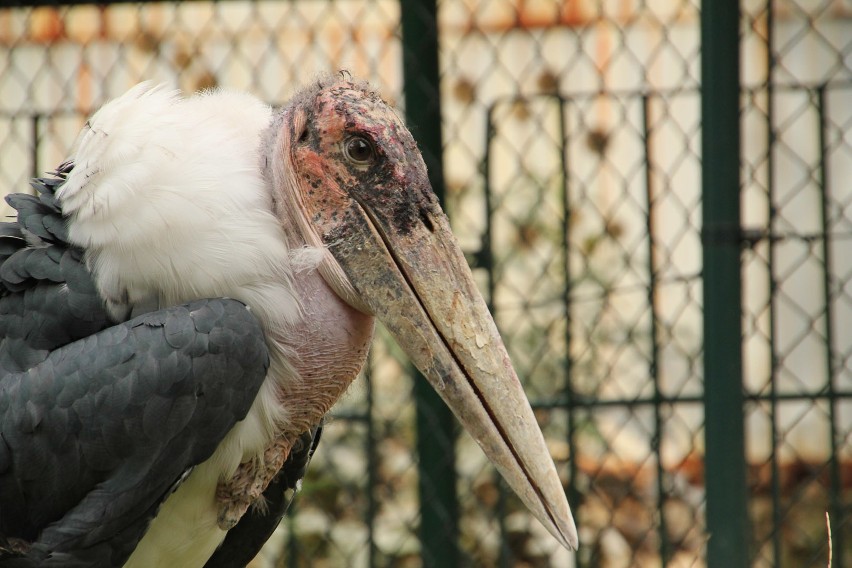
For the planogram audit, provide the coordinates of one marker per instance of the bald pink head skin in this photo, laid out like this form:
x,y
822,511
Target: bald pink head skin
x,y
347,177
347,119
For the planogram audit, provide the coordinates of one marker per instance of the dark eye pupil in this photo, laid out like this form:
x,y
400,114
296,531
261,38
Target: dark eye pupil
x,y
359,150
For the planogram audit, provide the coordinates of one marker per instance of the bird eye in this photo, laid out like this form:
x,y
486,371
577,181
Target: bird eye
x,y
359,150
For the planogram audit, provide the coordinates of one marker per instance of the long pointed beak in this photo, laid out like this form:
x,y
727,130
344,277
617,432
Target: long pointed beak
x,y
412,275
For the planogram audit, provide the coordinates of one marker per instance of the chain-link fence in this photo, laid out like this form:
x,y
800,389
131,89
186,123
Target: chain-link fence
x,y
571,136
796,172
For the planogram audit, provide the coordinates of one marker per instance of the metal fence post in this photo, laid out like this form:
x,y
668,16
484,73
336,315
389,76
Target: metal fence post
x,y
725,465
435,422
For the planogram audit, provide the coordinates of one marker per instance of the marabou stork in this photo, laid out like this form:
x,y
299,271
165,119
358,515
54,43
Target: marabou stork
x,y
186,298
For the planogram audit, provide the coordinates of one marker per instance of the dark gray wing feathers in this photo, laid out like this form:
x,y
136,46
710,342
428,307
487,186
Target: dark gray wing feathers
x,y
100,421
47,296
96,435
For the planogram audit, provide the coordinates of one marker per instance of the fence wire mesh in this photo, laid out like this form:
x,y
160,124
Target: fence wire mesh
x,y
571,134
796,117
591,187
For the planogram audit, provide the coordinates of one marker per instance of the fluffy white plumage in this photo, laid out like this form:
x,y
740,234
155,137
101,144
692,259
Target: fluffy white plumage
x,y
168,199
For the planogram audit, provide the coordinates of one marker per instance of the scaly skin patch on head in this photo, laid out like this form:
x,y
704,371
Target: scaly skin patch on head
x,y
393,182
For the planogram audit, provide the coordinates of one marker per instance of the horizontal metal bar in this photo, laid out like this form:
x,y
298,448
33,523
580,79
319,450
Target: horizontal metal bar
x,y
589,402
750,237
809,396
604,293
648,93
638,94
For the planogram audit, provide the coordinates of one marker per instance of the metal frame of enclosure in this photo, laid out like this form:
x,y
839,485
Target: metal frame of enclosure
x,y
669,259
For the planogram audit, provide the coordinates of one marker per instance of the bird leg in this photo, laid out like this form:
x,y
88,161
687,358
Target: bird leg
x,y
248,483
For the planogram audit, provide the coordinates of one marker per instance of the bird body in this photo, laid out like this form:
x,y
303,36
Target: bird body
x,y
310,222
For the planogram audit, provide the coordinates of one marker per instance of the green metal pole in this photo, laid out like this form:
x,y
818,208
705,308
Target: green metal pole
x,y
435,422
725,464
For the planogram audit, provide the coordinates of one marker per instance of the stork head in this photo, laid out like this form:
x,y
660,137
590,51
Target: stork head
x,y
348,176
